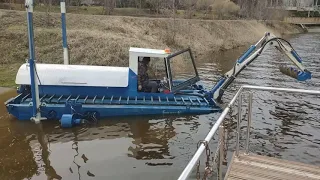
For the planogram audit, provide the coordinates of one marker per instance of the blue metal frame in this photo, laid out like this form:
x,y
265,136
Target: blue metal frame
x,y
32,56
64,29
298,58
246,54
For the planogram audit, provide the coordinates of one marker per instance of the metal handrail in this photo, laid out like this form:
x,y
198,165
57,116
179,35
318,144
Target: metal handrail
x,y
188,169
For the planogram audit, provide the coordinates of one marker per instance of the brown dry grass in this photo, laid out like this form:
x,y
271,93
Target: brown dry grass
x,y
105,40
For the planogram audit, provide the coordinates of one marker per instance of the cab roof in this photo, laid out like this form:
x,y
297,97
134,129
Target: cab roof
x,y
149,52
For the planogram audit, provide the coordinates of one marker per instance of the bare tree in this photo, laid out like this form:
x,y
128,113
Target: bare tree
x,y
174,11
78,2
206,6
48,9
224,9
154,5
109,6
169,10
190,8
138,5
258,9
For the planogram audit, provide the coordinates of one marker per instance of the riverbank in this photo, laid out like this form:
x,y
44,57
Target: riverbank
x,y
105,40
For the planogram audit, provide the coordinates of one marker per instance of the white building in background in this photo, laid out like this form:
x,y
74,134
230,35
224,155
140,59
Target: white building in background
x,y
298,3
294,5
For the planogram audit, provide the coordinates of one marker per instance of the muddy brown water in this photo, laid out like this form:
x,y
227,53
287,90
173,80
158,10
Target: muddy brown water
x,y
284,126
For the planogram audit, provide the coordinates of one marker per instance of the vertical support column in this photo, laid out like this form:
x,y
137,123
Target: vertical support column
x,y
249,122
36,115
238,124
64,32
221,150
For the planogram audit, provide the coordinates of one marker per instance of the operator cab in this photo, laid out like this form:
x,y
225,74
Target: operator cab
x,y
169,72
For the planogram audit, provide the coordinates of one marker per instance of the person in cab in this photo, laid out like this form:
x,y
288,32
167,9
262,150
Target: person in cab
x,y
144,83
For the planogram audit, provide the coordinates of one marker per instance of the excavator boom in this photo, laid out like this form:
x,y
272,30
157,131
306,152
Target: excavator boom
x,y
269,40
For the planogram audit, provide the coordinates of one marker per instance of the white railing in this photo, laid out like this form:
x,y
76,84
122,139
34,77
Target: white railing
x,y
188,169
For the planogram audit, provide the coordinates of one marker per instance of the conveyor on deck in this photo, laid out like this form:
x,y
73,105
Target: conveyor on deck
x,y
121,100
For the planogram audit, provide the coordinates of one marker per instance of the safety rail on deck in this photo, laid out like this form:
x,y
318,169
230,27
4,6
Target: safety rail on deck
x,y
188,169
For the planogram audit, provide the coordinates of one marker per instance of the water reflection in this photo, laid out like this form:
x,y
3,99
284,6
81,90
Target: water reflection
x,y
45,153
16,158
147,140
150,142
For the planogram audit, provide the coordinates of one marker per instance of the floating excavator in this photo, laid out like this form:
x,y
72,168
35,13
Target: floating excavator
x,y
77,93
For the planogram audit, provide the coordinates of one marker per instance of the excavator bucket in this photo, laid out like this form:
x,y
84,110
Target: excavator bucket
x,y
295,73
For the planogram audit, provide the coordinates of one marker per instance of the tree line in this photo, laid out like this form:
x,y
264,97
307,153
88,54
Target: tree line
x,y
210,9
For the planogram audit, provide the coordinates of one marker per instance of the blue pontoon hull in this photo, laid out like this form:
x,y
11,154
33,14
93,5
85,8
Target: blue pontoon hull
x,y
54,107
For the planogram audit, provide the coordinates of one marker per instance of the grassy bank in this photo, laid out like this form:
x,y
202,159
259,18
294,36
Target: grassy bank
x,y
105,40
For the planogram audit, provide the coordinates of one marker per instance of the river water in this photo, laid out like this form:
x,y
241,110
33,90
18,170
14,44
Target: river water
x,y
284,126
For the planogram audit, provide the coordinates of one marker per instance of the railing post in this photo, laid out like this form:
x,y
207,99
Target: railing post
x,y
249,122
221,151
238,124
